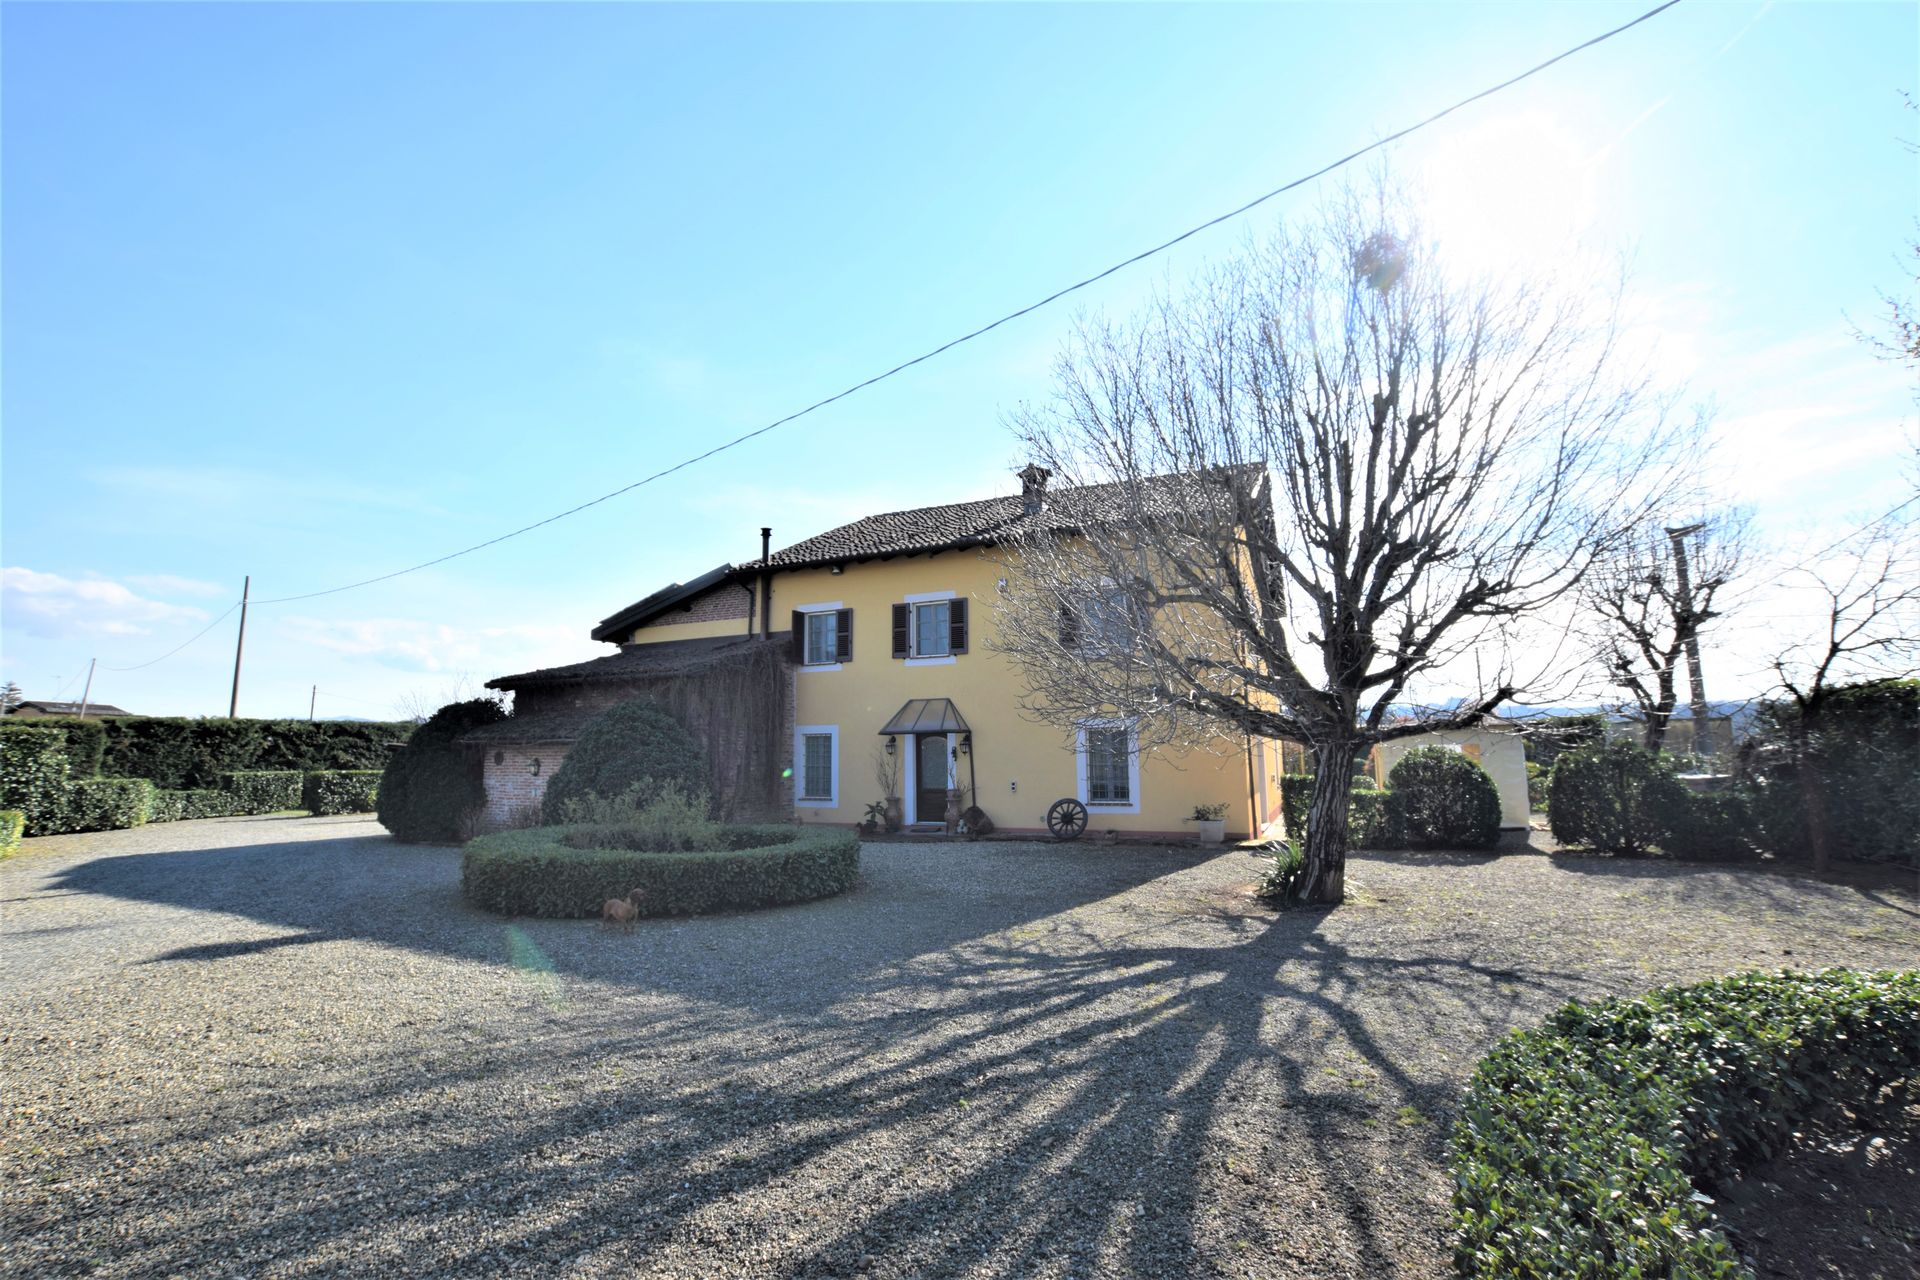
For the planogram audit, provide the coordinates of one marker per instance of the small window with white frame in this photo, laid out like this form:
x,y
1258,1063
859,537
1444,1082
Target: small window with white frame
x,y
1109,766
817,766
823,643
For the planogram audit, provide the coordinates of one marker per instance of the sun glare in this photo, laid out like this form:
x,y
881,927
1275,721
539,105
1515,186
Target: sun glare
x,y
1514,191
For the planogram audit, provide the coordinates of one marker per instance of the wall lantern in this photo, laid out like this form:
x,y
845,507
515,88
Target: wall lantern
x,y
966,744
534,767
892,744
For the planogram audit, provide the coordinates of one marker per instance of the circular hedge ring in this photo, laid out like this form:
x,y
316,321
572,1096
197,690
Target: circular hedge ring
x,y
568,872
1067,819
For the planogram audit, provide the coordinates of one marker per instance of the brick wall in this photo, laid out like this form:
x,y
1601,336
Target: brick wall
x,y
730,600
516,777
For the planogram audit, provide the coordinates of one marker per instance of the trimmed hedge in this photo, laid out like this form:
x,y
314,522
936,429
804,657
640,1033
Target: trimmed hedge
x,y
432,785
177,752
1579,1142
545,871
632,744
12,824
100,804
262,790
86,746
1710,826
33,773
329,791
1438,798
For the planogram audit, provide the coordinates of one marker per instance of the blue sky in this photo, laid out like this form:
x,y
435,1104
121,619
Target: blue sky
x,y
318,292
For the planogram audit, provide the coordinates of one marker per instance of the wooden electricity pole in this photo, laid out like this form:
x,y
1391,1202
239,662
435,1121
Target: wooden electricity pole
x,y
311,699
233,705
87,693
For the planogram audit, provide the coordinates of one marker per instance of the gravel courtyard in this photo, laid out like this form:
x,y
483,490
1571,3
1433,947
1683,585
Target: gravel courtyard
x,y
284,1047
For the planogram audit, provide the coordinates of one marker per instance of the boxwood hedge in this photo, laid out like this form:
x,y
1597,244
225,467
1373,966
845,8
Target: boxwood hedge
x,y
331,791
262,790
569,871
1580,1143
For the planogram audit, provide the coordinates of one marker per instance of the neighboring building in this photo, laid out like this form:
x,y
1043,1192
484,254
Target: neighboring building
x,y
882,666
94,709
1499,750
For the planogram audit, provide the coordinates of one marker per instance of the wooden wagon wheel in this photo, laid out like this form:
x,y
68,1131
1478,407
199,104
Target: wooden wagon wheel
x,y
1067,819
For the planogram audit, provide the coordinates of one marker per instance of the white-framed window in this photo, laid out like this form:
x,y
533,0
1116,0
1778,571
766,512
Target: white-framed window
x,y
816,766
1109,765
933,629
930,628
1107,619
822,636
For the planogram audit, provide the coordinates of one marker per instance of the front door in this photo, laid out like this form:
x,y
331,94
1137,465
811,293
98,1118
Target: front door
x,y
930,777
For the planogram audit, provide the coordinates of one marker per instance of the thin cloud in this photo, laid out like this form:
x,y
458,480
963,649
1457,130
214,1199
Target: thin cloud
x,y
55,607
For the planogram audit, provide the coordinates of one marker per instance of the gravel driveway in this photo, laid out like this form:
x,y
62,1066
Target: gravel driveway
x,y
280,1046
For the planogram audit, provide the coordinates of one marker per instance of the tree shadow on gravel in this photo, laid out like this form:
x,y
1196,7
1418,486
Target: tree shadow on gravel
x,y
1745,886
1109,1092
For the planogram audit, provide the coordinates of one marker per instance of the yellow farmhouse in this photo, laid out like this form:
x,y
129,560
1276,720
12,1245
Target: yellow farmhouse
x,y
858,668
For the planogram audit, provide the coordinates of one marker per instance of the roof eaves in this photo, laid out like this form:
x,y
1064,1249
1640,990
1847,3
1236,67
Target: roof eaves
x,y
650,607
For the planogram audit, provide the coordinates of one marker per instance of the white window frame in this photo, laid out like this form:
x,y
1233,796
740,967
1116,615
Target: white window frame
x,y
831,606
913,659
800,735
1132,728
1089,589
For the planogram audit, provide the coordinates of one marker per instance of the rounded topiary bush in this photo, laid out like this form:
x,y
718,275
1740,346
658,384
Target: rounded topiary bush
x,y
1580,1142
633,744
569,871
1611,796
432,784
1439,799
1712,826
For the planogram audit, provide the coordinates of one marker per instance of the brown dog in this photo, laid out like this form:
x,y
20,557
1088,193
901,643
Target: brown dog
x,y
621,911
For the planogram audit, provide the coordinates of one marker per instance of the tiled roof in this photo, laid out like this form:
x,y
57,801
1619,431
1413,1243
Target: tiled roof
x,y
558,725
641,661
950,528
70,708
994,520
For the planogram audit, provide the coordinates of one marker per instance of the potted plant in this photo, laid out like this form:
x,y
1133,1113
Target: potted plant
x,y
886,771
1212,821
876,817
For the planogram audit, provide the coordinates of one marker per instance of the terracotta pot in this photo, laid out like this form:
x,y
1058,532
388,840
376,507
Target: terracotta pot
x,y
896,813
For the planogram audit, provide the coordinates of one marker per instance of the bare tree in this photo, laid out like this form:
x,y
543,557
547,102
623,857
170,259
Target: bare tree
x,y
418,705
1866,627
1338,477
1642,616
10,697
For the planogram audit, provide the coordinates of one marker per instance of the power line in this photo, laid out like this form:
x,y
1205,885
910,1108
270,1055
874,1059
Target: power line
x,y
1051,298
183,644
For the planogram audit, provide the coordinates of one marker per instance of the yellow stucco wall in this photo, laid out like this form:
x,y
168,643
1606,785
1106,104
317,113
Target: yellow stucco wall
x,y
1018,767
657,632
1500,753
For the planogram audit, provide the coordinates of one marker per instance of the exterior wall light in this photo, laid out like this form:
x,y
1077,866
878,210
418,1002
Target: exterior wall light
x,y
892,744
534,767
966,744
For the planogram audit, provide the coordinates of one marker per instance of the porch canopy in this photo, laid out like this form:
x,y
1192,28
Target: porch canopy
x,y
927,715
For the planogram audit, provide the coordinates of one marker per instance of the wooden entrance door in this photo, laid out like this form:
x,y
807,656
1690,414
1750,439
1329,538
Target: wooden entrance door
x,y
931,777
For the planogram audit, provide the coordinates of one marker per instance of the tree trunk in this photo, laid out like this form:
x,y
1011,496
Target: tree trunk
x,y
1813,795
1326,842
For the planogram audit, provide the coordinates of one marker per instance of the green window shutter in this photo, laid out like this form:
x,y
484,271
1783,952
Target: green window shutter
x,y
900,615
957,625
843,636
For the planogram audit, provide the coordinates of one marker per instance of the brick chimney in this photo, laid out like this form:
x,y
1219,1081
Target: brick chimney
x,y
1033,488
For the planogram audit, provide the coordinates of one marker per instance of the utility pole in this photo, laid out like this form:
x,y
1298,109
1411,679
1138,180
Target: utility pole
x,y
87,693
1690,631
233,706
311,699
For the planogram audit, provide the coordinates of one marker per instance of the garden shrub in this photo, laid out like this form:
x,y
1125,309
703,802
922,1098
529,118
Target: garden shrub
x,y
432,784
167,806
632,744
1710,826
99,804
324,792
207,802
12,824
1580,1142
1369,824
1536,787
1438,798
1286,880
1610,797
664,819
546,871
262,790
33,773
